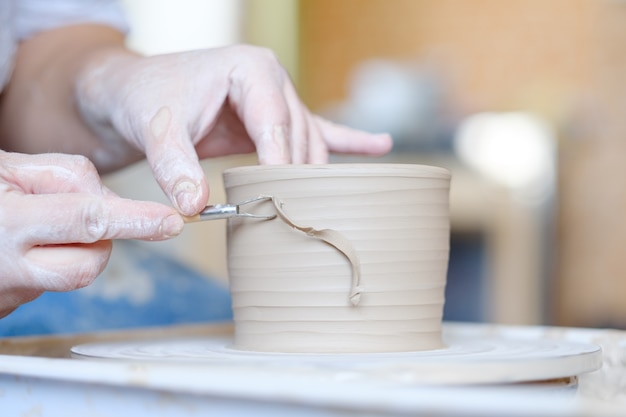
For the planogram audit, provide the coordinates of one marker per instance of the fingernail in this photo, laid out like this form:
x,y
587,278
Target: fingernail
x,y
172,225
185,195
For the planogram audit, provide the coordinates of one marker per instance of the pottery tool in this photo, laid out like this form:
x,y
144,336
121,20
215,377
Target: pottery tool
x,y
226,211
332,237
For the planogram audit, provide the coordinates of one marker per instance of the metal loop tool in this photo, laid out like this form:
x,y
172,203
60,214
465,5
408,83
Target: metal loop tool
x,y
226,211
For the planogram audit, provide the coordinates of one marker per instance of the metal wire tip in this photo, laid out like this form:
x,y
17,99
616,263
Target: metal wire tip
x,y
226,211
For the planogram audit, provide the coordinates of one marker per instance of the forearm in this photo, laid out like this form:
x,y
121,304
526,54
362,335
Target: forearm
x,y
38,110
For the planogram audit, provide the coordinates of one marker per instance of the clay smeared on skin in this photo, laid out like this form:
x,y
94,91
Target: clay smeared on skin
x,y
160,123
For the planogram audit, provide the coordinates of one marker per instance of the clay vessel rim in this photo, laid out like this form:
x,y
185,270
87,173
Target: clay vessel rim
x,y
261,172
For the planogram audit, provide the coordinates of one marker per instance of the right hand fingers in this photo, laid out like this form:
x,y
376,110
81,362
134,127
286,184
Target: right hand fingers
x,y
54,219
62,200
49,268
68,237
58,220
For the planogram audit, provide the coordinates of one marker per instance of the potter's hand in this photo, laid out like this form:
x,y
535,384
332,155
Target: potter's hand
x,y
179,107
57,220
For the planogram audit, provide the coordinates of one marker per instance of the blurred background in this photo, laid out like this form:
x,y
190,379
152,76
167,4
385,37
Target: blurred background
x,y
522,100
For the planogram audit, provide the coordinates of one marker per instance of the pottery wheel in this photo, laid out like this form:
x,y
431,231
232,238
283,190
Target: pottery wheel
x,y
471,356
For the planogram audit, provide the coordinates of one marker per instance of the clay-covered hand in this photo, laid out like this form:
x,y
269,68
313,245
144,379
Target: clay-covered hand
x,y
57,222
180,107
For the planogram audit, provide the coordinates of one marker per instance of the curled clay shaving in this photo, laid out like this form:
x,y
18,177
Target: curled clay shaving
x,y
335,239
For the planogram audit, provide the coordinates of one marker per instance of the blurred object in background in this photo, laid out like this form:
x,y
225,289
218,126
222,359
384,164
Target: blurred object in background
x,y
592,183
406,99
516,153
514,149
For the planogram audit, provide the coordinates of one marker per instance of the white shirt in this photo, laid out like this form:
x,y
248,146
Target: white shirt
x,y
20,19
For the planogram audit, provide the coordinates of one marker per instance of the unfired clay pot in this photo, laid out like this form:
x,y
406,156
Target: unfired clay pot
x,y
355,261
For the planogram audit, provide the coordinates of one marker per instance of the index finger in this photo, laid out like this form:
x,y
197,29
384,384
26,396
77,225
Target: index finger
x,y
257,95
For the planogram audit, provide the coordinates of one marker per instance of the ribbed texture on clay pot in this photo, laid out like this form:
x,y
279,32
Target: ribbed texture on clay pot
x,y
290,291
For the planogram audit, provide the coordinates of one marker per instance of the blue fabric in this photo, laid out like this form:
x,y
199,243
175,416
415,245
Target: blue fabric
x,y
139,288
